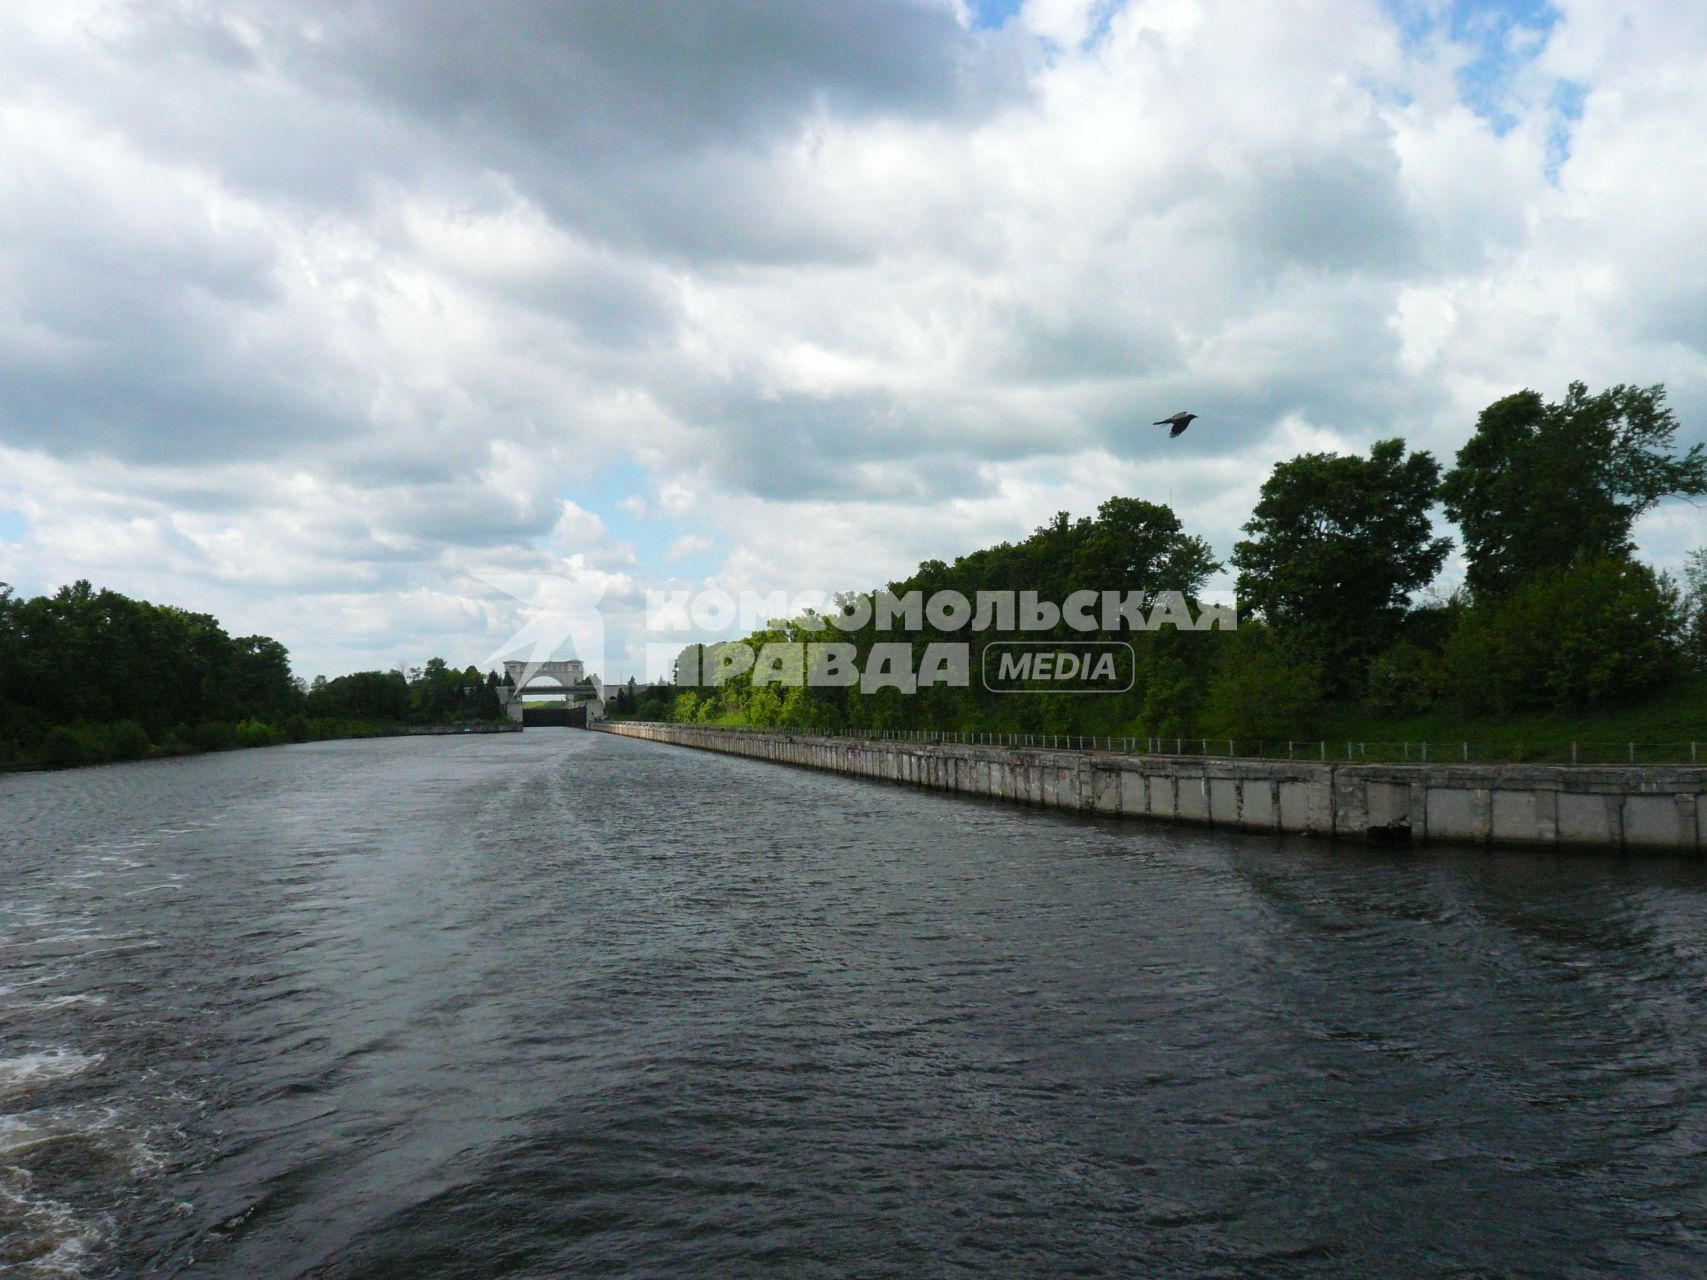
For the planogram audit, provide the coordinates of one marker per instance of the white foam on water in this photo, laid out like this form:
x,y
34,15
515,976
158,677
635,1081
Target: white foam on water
x,y
146,944
64,936
26,1131
77,1000
33,1070
52,1004
41,1237
153,888
103,1129
11,988
44,1240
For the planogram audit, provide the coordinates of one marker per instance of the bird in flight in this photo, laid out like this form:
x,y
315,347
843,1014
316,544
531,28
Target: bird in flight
x,y
1178,421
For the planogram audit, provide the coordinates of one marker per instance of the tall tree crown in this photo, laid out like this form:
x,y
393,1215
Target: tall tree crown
x,y
1541,487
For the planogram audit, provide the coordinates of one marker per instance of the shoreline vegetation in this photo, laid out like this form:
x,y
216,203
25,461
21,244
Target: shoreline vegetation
x,y
1558,634
1667,727
94,677
117,744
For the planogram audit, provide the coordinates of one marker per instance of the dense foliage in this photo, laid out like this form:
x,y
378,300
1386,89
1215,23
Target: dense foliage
x,y
1333,577
1129,546
89,675
1337,547
1540,487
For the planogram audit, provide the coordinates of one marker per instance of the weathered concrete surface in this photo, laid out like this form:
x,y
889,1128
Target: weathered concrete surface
x,y
1612,807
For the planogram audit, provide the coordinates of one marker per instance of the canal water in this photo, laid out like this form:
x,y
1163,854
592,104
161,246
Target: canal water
x,y
562,1004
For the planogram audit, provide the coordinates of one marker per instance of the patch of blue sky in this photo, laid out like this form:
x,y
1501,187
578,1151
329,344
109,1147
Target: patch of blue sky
x,y
12,526
653,534
990,14
987,15
1502,35
1568,99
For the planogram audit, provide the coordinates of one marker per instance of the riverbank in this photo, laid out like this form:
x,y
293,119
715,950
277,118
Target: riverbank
x,y
81,745
1637,808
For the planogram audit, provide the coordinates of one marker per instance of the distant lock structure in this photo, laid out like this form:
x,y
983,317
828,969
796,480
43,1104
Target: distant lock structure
x,y
575,700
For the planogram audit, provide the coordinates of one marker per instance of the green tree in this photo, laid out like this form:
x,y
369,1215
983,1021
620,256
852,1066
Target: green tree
x,y
1540,486
1137,544
1259,693
262,679
1337,546
1597,632
1695,608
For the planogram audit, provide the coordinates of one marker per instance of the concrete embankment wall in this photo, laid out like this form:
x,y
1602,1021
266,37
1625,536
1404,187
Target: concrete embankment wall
x,y
1611,807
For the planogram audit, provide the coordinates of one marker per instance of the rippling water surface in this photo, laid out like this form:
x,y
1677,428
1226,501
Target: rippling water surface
x,y
565,1004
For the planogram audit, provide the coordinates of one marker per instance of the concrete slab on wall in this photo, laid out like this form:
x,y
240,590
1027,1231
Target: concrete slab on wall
x,y
1661,807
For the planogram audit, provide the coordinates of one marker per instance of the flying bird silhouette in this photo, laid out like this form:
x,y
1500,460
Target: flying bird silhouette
x,y
1178,421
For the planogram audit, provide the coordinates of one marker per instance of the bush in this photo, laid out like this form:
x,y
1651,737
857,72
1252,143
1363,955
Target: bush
x,y
1695,609
60,747
127,740
256,733
1169,704
1598,632
1260,692
1404,680
212,735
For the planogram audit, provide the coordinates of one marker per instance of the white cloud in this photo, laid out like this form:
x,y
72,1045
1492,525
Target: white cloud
x,y
689,544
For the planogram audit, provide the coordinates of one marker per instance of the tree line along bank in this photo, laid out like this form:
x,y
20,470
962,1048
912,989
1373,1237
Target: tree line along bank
x,y
88,676
1341,621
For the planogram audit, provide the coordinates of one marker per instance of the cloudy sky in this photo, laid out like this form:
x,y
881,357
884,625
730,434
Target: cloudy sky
x,y
320,317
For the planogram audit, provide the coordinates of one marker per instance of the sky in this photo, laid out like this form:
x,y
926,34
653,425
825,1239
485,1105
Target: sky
x,y
329,319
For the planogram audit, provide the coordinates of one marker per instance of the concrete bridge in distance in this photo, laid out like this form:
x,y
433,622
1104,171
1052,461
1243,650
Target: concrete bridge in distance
x,y
563,681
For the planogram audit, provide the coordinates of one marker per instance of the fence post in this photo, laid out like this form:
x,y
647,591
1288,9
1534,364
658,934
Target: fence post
x,y
1573,753
1289,748
1425,753
1466,753
1632,747
1691,753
